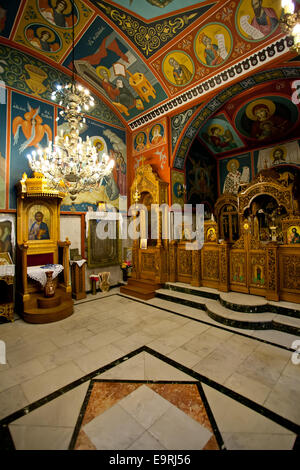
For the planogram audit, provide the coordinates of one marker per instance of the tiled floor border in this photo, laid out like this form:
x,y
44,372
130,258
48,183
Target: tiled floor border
x,y
210,324
208,410
5,438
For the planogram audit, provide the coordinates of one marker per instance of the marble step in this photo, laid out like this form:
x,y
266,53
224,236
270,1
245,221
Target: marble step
x,y
237,301
215,310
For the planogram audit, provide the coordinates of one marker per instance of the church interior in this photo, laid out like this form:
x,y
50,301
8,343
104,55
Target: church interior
x,y
150,225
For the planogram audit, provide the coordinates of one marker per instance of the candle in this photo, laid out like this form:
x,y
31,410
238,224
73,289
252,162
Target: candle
x,y
296,34
288,6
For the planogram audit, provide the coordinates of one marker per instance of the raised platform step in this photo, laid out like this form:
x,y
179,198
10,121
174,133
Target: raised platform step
x,y
218,312
237,301
145,283
138,293
47,310
48,315
140,288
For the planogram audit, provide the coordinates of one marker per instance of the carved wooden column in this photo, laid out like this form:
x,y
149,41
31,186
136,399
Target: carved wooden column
x,y
135,252
224,267
196,268
272,272
173,261
66,264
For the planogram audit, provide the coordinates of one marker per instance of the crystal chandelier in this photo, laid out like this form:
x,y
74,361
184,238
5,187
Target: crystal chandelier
x,y
290,22
71,165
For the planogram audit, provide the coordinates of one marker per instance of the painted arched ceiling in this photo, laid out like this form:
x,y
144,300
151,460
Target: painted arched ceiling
x,y
128,51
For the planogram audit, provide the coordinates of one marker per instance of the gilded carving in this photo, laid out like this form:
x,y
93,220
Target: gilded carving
x,y
185,261
211,264
272,271
224,264
291,271
238,267
148,262
266,186
258,274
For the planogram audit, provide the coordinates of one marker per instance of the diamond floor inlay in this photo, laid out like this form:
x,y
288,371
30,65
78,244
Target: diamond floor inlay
x,y
130,415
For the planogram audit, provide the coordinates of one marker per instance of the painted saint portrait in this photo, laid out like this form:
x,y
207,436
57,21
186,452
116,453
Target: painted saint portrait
x,y
6,236
42,38
178,186
286,154
140,141
258,275
200,179
219,135
211,235
236,173
156,134
293,234
266,118
257,19
213,44
39,223
178,68
58,12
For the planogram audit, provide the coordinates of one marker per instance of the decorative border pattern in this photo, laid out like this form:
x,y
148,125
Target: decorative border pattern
x,y
151,37
256,60
178,122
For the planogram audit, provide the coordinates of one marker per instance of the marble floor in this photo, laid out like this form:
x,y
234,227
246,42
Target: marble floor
x,y
124,374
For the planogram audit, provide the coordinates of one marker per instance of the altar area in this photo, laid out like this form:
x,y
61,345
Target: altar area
x,y
251,243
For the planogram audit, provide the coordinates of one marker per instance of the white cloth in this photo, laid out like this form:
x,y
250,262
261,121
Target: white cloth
x,y
80,262
38,273
7,270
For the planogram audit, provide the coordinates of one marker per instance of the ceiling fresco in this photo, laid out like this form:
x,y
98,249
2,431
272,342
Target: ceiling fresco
x,y
270,90
150,37
150,9
138,54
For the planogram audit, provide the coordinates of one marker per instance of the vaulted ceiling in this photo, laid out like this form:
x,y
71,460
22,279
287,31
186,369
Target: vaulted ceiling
x,y
127,51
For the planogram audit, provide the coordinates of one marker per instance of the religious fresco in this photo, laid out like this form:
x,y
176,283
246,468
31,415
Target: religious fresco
x,y
213,44
283,154
32,126
8,13
58,12
46,25
233,172
219,135
3,114
150,146
27,74
152,8
42,37
157,158
266,118
157,134
201,178
105,61
149,137
178,187
178,68
257,19
110,141
150,36
232,100
140,142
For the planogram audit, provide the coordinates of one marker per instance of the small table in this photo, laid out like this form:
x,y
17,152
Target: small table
x,y
78,278
7,274
38,273
94,279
